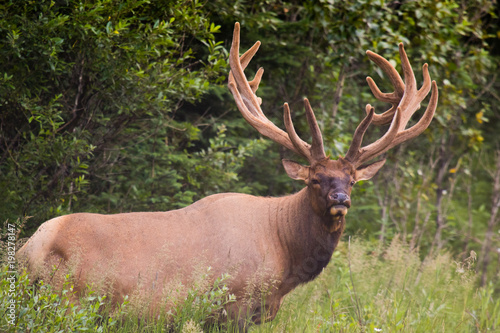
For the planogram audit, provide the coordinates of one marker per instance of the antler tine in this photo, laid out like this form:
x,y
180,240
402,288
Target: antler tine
x,y
303,147
400,113
395,97
357,138
245,60
254,84
423,123
315,151
357,155
249,105
412,97
236,76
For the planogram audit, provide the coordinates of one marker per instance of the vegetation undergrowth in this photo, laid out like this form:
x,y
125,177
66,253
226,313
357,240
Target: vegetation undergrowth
x,y
41,308
364,289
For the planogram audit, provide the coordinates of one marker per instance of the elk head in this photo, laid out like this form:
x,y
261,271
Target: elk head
x,y
330,181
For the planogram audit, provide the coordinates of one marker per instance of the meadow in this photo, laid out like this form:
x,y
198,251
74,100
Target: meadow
x,y
365,288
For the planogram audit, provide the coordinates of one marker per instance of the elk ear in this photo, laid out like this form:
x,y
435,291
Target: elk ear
x,y
295,170
368,171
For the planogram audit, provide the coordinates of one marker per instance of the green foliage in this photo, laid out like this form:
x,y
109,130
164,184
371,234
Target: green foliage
x,y
38,307
202,307
155,175
83,80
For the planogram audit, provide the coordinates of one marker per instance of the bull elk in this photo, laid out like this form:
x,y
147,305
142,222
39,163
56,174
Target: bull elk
x,y
286,240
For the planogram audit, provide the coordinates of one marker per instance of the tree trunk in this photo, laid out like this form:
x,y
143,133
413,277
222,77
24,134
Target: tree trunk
x,y
421,223
470,206
492,221
444,162
338,91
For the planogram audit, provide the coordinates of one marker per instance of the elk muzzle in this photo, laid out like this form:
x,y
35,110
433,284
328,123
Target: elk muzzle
x,y
339,204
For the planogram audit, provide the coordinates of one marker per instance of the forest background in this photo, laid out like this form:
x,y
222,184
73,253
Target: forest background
x,y
118,106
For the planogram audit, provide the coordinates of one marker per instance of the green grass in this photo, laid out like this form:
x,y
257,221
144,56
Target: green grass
x,y
363,289
367,289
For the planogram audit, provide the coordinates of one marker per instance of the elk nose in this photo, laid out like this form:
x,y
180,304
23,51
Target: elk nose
x,y
340,199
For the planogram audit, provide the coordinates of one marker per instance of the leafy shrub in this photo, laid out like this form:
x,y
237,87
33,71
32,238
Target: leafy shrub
x,y
40,308
80,81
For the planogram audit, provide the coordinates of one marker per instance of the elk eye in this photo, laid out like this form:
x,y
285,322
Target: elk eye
x,y
353,182
315,182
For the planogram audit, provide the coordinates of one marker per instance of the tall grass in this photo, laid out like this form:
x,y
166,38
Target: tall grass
x,y
40,308
368,289
363,289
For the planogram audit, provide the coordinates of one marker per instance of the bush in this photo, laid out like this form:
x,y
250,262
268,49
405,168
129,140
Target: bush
x,y
80,81
40,308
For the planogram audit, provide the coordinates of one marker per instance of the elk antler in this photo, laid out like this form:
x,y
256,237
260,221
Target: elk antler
x,y
405,101
249,105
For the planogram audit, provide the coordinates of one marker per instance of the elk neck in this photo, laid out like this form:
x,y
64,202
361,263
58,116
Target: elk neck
x,y
306,241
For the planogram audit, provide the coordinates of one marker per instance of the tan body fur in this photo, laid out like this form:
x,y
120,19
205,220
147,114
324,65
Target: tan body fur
x,y
248,237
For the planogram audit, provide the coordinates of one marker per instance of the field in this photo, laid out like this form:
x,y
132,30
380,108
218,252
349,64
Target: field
x,y
364,289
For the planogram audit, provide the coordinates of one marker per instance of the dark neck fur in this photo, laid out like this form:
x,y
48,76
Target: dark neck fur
x,y
305,239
